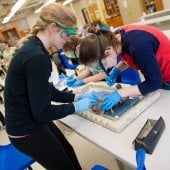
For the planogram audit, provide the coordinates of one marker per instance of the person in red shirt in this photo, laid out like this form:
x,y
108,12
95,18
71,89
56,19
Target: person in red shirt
x,y
140,47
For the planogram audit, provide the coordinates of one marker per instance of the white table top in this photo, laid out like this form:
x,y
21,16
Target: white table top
x,y
157,20
167,33
120,145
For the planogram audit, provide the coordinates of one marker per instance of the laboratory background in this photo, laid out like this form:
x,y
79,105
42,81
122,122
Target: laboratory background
x,y
100,142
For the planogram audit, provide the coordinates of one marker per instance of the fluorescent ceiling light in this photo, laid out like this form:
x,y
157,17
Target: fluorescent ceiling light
x,y
14,9
66,2
49,1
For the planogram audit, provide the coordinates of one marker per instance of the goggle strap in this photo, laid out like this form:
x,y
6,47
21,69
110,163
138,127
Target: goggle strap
x,y
69,30
100,58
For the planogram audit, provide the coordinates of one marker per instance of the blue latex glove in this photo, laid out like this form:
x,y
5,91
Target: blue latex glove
x,y
71,81
63,77
110,100
84,104
110,81
78,83
88,95
113,74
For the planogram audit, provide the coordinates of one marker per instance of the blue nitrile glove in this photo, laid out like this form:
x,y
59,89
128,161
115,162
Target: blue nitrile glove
x,y
110,100
63,77
113,74
71,81
78,83
84,104
88,95
110,81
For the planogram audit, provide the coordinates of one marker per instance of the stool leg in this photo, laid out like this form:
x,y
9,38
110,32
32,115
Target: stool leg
x,y
30,168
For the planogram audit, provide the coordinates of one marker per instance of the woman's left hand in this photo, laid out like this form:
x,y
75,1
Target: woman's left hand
x,y
111,100
78,83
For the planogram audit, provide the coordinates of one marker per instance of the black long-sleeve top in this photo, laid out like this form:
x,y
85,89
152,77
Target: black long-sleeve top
x,y
28,91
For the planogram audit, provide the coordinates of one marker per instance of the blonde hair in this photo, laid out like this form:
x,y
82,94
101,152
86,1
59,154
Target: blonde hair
x,y
51,13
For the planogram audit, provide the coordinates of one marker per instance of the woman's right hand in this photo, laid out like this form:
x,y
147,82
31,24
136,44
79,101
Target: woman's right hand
x,y
84,104
71,81
113,74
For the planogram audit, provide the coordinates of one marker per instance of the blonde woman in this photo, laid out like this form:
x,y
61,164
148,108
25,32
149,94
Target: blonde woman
x,y
29,92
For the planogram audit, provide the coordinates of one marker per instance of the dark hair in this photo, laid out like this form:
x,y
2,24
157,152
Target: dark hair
x,y
72,43
86,26
5,42
96,22
92,26
91,29
93,46
88,50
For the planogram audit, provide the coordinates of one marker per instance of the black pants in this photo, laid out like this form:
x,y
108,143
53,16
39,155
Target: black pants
x,y
49,148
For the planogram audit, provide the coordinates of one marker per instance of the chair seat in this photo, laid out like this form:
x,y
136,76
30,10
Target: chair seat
x,y
99,167
11,158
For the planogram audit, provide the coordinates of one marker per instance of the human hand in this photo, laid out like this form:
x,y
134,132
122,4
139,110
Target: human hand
x,y
113,74
88,95
78,83
62,76
84,104
110,100
71,81
110,81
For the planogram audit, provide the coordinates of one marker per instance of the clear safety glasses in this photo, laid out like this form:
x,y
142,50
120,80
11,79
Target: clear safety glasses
x,y
65,35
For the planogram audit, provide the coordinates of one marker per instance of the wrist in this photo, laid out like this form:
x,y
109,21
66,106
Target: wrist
x,y
76,97
119,94
117,69
85,81
75,107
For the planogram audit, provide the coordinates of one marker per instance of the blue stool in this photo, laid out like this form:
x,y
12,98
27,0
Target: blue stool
x,y
11,158
99,167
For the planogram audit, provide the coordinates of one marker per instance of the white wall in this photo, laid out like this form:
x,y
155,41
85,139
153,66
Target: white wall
x,y
77,6
166,4
31,19
130,10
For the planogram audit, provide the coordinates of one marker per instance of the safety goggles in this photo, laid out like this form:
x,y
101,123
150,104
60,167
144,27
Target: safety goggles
x,y
67,30
65,35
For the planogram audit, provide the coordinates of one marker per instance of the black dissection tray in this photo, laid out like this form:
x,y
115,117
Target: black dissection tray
x,y
122,107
